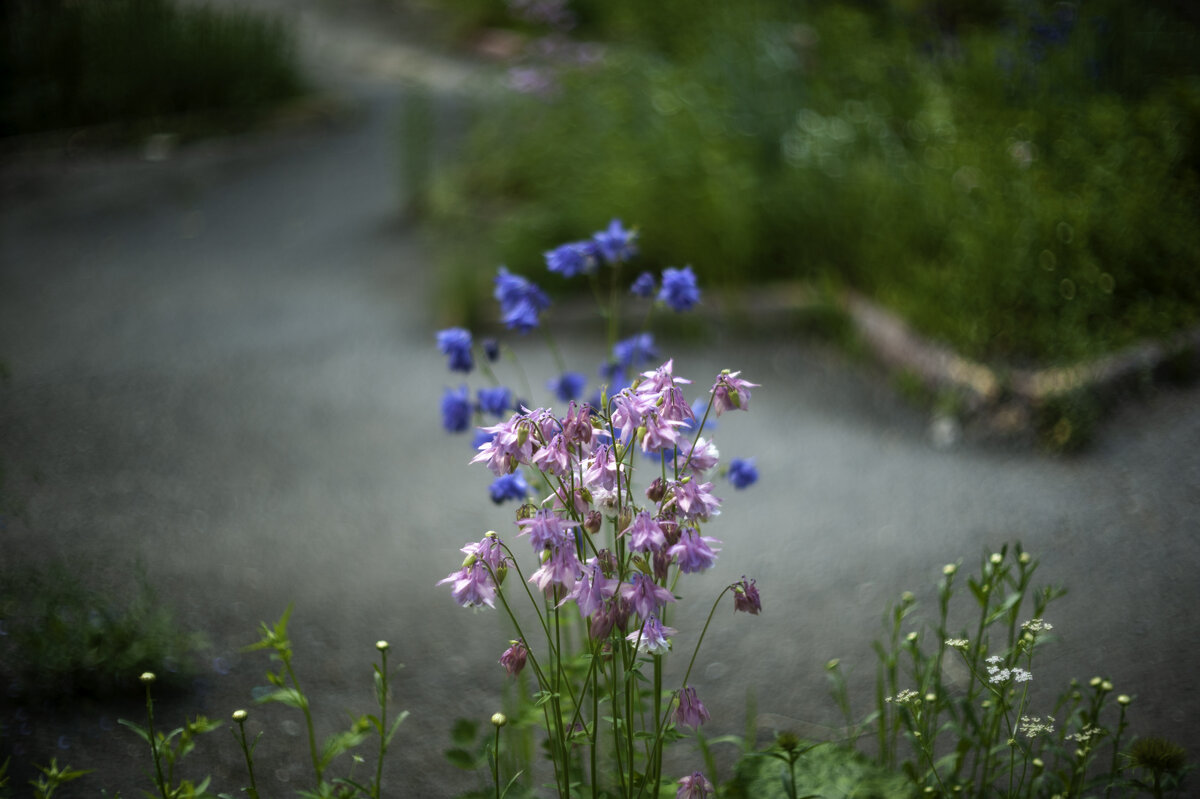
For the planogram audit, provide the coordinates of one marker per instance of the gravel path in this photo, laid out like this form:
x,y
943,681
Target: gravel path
x,y
229,373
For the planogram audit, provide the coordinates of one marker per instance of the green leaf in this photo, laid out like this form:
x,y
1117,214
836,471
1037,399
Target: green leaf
x,y
288,696
143,734
463,759
395,726
463,732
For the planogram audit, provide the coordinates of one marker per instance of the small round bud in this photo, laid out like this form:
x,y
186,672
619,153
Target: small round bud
x,y
930,697
996,558
1038,763
949,569
657,490
499,719
527,511
239,716
833,664
1124,699
908,598
1106,686
911,638
382,646
592,522
1095,682
1025,558
147,677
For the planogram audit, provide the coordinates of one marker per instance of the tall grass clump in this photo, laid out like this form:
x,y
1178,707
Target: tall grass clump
x,y
1019,179
71,64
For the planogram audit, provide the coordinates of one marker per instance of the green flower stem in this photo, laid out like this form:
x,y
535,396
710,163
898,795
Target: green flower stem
x,y
159,780
286,657
496,760
383,727
246,752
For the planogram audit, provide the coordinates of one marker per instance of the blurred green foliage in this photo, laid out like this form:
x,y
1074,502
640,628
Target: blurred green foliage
x,y
67,64
66,637
1018,178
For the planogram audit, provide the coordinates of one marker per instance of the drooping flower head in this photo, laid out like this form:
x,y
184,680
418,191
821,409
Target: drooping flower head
x,y
455,344
645,595
653,637
592,588
694,551
513,659
731,393
746,598
568,386
473,586
545,529
696,786
575,258
691,712
645,534
456,409
742,472
616,243
644,286
520,301
679,289
496,400
508,486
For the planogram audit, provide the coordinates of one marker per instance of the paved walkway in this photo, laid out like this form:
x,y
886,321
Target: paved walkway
x,y
230,374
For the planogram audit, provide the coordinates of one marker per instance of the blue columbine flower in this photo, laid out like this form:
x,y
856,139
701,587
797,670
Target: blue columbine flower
x,y
635,350
644,286
569,260
679,289
496,401
569,386
455,343
508,486
616,243
456,409
491,349
520,301
742,472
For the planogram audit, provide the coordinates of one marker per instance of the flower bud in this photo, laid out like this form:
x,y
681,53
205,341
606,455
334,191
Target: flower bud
x,y
1025,558
1095,682
499,719
147,677
625,518
239,716
382,646
527,511
1106,686
833,664
592,522
996,558
1124,699
657,490
949,569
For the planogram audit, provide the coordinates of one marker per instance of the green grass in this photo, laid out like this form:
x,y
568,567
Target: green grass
x,y
70,64
1024,192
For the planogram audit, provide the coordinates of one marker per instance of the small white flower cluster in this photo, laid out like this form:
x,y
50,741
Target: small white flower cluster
x,y
957,643
999,675
905,697
1087,733
1033,726
1036,626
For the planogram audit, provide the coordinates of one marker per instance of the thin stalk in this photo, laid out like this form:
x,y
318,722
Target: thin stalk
x,y
308,721
159,780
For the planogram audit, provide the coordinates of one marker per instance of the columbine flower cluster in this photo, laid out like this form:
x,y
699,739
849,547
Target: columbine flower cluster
x,y
604,546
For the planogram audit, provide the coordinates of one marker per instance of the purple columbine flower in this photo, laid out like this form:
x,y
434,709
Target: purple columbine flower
x,y
569,260
513,659
456,409
730,393
455,343
645,596
746,598
694,499
473,586
616,243
561,568
545,529
568,386
695,787
508,486
645,534
693,551
742,472
652,638
520,301
691,711
644,286
496,400
679,289
592,589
